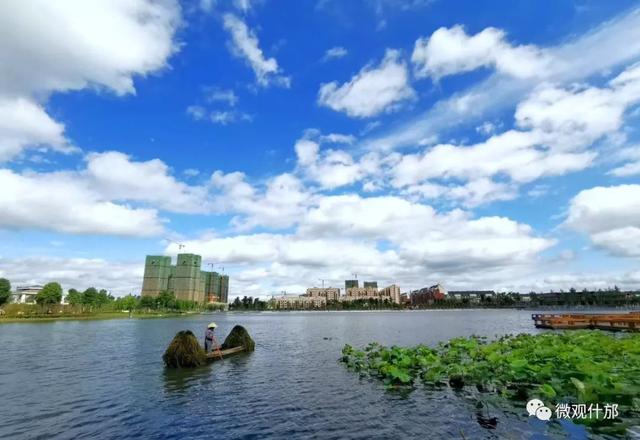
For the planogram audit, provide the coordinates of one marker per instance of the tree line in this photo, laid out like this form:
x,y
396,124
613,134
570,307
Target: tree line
x,y
92,299
248,303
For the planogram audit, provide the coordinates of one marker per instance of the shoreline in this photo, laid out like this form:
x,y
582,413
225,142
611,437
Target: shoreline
x,y
100,316
95,317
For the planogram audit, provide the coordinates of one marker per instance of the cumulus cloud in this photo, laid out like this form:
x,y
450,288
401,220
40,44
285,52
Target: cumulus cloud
x,y
25,123
550,137
279,204
103,44
118,277
450,50
115,176
338,235
373,90
610,216
245,45
113,195
576,60
57,202
333,168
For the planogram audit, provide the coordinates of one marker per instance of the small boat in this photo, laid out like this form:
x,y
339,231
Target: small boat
x,y
218,355
602,321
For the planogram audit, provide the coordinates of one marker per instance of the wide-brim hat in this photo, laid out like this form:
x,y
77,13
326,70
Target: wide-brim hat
x,y
212,325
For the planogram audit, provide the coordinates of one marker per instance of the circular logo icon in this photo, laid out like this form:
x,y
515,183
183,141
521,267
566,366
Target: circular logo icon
x,y
533,405
543,413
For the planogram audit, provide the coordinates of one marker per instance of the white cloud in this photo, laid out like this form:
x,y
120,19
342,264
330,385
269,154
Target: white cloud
x,y
334,53
626,170
191,172
333,168
214,94
576,60
486,128
24,123
610,216
372,91
337,138
197,112
222,117
242,5
58,202
512,153
245,45
116,177
118,277
103,44
474,193
207,5
630,155
339,235
278,205
229,117
551,138
451,51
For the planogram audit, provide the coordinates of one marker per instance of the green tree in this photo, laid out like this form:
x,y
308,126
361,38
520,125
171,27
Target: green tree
x,y
51,293
166,300
102,298
148,302
89,296
129,303
74,297
5,290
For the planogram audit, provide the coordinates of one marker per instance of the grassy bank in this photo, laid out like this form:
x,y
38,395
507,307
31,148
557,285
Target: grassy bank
x,y
13,313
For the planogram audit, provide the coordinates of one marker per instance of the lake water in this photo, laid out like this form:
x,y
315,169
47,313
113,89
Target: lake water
x,y
106,379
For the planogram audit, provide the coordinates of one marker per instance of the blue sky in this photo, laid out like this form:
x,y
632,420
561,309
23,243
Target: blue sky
x,y
476,144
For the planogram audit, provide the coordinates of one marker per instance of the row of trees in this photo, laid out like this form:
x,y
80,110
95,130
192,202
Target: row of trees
x,y
94,299
90,297
248,303
5,291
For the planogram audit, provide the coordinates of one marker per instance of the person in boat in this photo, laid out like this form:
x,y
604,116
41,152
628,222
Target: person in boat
x,y
209,338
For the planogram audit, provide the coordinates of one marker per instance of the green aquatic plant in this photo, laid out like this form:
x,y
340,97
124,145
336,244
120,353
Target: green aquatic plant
x,y
572,367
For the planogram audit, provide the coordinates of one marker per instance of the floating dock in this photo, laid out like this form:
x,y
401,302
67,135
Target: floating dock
x,y
602,321
218,355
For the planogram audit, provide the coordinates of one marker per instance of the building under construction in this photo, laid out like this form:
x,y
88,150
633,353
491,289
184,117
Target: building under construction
x,y
186,280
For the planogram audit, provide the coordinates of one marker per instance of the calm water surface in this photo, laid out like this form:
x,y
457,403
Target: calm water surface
x,y
105,379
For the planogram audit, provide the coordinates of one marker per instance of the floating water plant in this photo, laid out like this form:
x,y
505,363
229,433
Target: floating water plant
x,y
184,351
239,337
574,367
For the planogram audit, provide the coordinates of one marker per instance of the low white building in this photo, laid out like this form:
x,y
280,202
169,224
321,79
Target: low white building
x,y
329,293
285,302
26,294
391,292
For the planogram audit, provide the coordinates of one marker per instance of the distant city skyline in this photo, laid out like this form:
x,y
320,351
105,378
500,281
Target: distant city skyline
x,y
478,145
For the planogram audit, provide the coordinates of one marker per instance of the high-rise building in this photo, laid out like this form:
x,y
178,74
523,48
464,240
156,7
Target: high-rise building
x,y
350,283
370,284
224,288
186,279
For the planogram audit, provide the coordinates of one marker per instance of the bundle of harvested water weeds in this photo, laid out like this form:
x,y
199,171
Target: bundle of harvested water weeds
x,y
239,337
184,351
